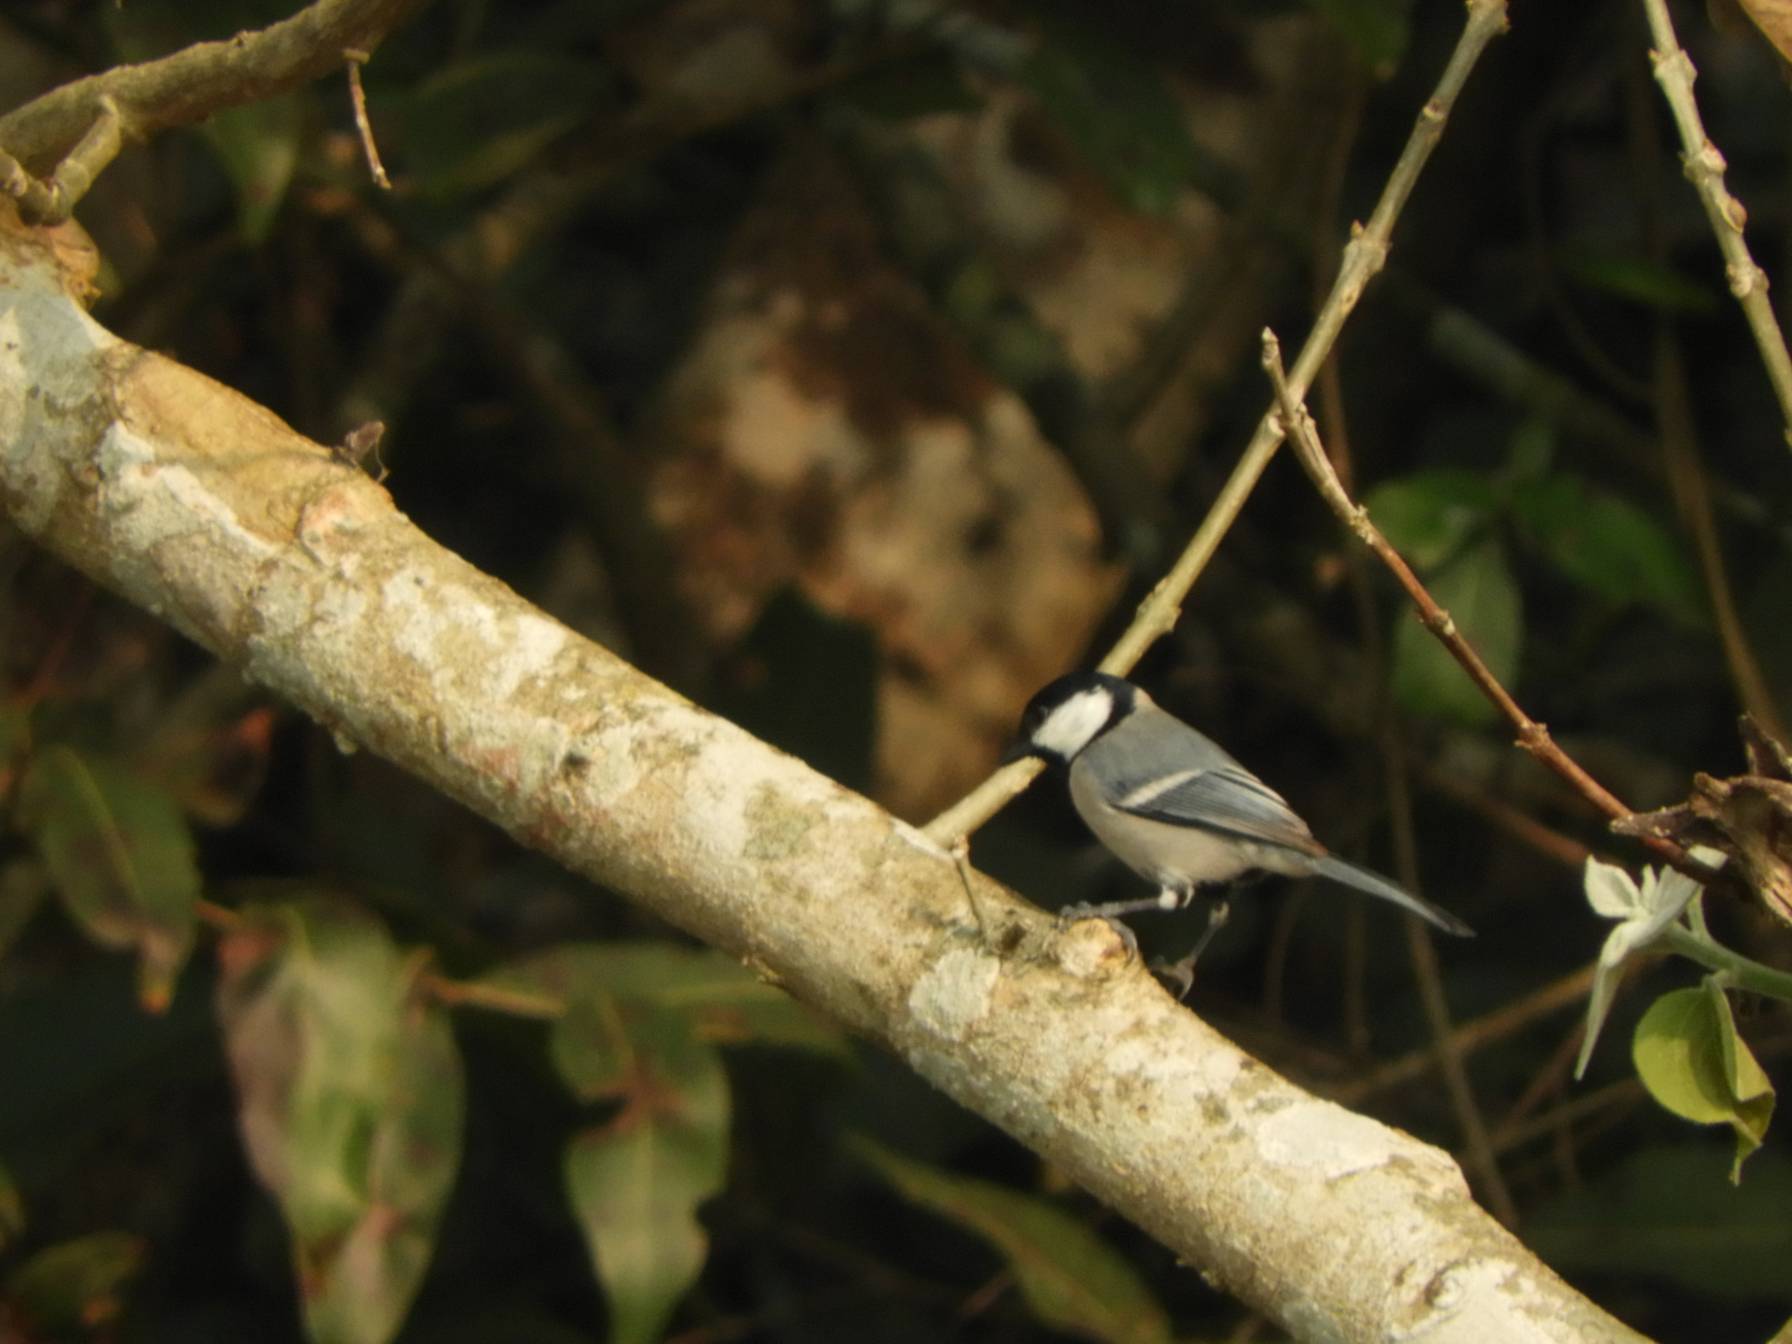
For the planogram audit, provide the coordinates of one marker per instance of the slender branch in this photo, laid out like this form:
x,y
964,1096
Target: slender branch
x,y
1364,255
1692,493
202,79
1532,736
1452,1065
1705,169
1471,1036
496,998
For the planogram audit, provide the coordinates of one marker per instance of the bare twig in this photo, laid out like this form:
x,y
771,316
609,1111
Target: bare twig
x,y
1687,478
1470,1036
1692,494
1364,255
200,80
1705,169
357,97
1532,736
1483,1163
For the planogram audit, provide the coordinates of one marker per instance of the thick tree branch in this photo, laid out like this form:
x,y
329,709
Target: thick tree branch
x,y
262,546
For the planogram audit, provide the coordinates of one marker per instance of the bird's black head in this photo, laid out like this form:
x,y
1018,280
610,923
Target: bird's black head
x,y
1072,712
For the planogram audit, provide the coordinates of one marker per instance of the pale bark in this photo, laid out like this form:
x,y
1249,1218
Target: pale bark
x,y
208,510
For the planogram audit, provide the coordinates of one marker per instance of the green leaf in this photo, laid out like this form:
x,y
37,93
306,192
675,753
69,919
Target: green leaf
x,y
1639,281
350,1096
258,144
74,1285
121,859
729,1003
1115,108
1377,29
635,1183
480,120
591,1049
12,1210
1071,1279
1688,1055
1431,515
1609,546
1480,595
1667,1212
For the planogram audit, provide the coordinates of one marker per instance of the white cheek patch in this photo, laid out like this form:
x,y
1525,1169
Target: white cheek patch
x,y
1070,727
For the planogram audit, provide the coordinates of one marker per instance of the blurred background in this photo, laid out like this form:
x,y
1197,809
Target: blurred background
x,y
855,368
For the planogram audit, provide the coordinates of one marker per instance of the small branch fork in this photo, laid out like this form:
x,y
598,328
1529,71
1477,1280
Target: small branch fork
x,y
1364,255
51,200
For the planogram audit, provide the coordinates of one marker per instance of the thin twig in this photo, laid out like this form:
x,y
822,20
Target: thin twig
x,y
1687,478
1532,736
1466,1039
1364,255
1520,825
357,97
1553,1080
496,998
1483,1163
1692,494
1705,169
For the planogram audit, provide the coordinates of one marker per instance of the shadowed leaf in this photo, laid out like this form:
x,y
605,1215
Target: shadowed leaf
x,y
636,1183
351,1105
1609,546
729,1002
480,120
74,1284
1478,591
121,859
1071,1279
1667,1212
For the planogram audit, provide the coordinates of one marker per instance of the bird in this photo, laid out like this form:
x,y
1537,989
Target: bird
x,y
1173,806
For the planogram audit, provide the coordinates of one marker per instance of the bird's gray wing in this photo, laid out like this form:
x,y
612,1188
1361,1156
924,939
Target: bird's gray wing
x,y
1227,799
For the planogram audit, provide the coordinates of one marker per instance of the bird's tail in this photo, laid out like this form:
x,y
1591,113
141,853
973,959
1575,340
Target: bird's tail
x,y
1341,870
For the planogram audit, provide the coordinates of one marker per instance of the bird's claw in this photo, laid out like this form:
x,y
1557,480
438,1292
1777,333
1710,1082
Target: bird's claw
x,y
1082,910
1178,976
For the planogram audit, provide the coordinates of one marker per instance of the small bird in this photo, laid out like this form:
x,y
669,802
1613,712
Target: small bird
x,y
1175,808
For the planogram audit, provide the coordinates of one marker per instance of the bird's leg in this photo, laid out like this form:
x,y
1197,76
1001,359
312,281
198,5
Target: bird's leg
x,y
1168,898
1180,975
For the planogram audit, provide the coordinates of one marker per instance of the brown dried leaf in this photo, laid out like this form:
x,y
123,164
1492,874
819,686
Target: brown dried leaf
x,y
1748,817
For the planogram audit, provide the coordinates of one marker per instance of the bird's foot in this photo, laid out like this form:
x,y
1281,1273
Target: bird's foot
x,y
1178,976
